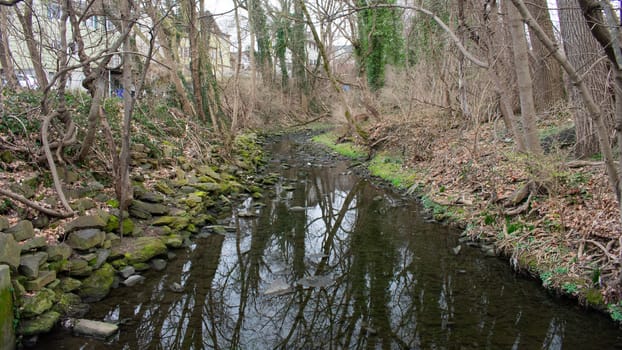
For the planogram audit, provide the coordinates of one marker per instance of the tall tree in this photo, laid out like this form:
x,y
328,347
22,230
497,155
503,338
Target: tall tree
x,y
585,54
379,40
523,76
5,54
25,15
547,73
259,26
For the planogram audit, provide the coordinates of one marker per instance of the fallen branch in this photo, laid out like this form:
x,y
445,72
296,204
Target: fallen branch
x,y
35,205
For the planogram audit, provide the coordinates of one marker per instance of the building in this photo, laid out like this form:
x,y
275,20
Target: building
x,y
98,31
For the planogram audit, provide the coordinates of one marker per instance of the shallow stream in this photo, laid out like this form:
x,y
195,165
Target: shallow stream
x,y
331,261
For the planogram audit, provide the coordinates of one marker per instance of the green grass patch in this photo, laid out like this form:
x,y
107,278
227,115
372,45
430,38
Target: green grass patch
x,y
347,149
391,169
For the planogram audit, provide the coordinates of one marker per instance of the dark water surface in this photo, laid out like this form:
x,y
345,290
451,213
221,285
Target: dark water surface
x,y
357,267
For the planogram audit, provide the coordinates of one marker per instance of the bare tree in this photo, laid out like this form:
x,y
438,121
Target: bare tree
x,y
523,76
586,55
547,73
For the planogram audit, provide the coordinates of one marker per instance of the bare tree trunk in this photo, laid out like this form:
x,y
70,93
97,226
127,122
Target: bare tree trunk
x,y
195,61
462,88
523,76
595,113
547,73
236,74
5,54
499,59
586,55
123,186
34,49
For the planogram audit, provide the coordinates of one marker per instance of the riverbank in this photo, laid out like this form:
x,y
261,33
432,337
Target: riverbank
x,y
563,233
183,186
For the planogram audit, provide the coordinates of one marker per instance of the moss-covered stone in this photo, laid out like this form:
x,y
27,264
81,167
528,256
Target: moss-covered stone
x,y
37,303
69,284
164,188
65,303
7,340
175,222
39,325
174,241
58,252
86,222
98,284
119,263
141,266
113,225
145,248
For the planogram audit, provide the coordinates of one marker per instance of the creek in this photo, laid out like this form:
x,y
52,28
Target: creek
x,y
327,260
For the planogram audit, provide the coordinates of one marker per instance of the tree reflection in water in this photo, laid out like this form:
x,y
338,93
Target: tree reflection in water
x,y
366,272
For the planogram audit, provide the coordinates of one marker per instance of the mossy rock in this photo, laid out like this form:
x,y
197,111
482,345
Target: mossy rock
x,y
113,225
141,266
69,284
209,171
83,204
175,222
119,263
37,303
174,241
202,220
39,325
161,186
59,266
144,249
207,186
97,285
65,303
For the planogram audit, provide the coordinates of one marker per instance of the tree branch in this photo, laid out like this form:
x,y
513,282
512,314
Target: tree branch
x,y
34,205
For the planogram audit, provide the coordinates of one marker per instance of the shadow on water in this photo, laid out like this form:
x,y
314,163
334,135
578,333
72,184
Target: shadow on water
x,y
332,262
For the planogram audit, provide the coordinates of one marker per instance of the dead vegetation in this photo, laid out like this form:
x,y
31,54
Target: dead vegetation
x,y
554,216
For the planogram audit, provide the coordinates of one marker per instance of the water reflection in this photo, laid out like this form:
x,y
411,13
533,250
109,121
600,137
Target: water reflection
x,y
352,267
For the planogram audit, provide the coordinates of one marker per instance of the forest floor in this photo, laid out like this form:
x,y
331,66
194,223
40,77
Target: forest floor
x,y
567,232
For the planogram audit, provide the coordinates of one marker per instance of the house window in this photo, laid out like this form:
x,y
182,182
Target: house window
x,y
91,22
109,25
53,10
185,52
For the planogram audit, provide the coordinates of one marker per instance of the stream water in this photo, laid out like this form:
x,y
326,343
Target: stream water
x,y
334,262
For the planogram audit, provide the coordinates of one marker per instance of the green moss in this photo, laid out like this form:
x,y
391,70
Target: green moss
x,y
594,297
347,149
145,249
391,169
6,311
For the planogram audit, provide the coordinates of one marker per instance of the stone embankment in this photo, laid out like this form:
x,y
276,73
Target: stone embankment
x,y
55,281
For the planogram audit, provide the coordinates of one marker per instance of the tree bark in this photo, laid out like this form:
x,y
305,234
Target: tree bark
x,y
547,73
34,49
5,54
595,113
585,54
523,77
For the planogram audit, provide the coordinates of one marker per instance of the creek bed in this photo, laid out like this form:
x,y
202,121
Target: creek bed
x,y
327,260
